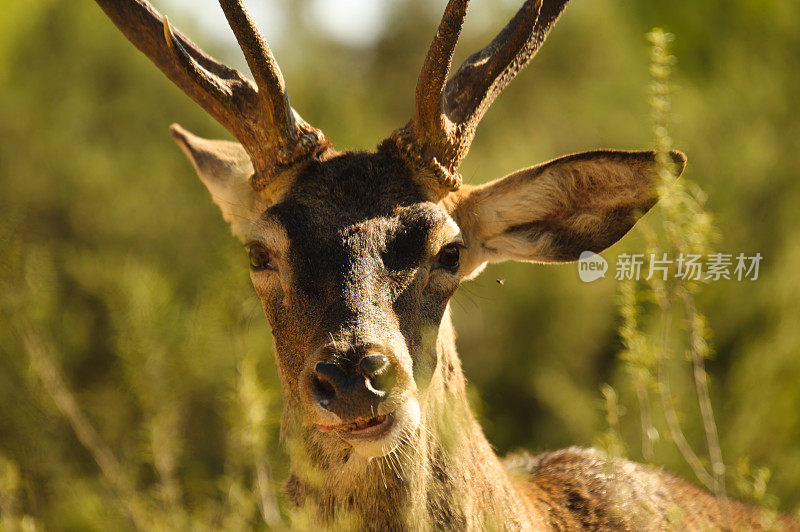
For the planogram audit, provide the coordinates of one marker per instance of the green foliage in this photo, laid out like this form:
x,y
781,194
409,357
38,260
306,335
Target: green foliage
x,y
115,266
683,229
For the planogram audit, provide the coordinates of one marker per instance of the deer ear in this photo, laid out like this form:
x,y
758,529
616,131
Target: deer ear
x,y
554,211
225,169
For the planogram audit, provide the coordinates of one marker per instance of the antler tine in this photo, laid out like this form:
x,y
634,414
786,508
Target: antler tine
x,y
262,120
212,84
483,75
201,77
430,121
440,141
265,70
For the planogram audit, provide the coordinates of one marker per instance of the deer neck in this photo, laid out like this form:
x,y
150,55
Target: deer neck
x,y
446,474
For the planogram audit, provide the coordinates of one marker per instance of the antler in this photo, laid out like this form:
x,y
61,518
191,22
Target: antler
x,y
259,116
446,114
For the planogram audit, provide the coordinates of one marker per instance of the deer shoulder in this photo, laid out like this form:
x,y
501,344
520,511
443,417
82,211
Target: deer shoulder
x,y
584,489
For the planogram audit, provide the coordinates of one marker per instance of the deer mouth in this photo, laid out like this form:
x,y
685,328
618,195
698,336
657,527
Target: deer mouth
x,y
371,437
363,427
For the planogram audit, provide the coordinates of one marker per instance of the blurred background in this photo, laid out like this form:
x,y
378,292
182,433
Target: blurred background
x,y
118,273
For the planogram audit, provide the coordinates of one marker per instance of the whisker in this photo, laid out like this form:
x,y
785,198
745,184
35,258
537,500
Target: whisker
x,y
390,462
380,468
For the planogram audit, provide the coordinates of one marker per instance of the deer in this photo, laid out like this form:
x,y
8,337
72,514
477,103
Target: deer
x,y
355,257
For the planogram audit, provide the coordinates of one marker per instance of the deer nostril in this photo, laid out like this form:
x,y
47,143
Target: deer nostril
x,y
378,372
324,392
373,365
327,378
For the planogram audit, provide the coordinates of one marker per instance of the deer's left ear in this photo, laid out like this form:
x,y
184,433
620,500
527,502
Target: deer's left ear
x,y
225,169
554,211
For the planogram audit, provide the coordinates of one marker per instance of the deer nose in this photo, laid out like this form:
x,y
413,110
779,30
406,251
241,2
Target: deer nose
x,y
350,390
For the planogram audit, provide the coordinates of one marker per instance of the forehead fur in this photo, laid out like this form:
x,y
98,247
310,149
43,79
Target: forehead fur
x,y
353,208
356,184
354,190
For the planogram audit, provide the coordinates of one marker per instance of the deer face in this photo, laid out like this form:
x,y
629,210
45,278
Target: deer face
x,y
355,255
350,267
354,262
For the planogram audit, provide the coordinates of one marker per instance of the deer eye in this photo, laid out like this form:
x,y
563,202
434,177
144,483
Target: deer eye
x,y
449,257
259,258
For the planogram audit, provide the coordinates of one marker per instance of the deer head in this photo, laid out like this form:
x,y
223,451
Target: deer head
x,y
355,255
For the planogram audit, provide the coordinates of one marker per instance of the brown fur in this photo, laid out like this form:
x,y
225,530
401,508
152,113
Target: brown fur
x,y
583,489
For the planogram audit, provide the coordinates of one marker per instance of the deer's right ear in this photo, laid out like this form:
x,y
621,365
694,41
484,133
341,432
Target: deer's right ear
x,y
225,169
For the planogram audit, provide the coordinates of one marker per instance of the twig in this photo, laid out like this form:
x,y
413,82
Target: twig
x,y
47,371
646,419
676,433
162,440
253,404
704,399
267,502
